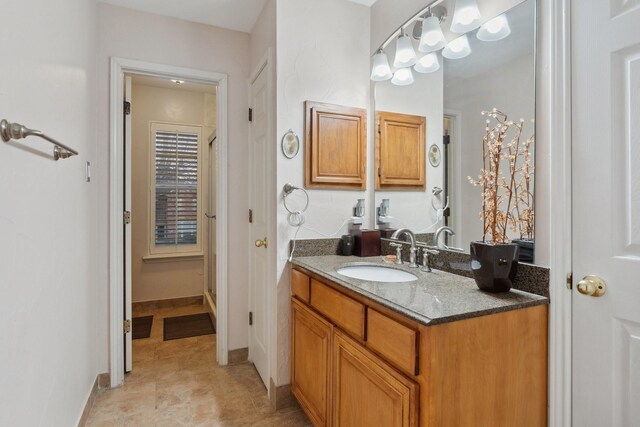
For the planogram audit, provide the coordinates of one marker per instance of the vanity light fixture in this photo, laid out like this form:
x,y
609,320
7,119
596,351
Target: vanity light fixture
x,y
402,77
428,63
380,70
457,48
178,82
405,55
494,29
466,16
432,38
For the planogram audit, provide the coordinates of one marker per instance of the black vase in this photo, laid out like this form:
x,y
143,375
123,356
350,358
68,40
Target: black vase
x,y
494,266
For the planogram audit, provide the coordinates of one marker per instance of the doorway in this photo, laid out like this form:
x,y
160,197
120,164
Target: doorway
x,y
120,188
167,189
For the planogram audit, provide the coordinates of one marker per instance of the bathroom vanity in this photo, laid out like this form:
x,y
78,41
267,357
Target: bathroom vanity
x,y
434,351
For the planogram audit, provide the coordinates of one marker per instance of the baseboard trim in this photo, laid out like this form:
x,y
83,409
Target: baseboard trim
x,y
166,303
281,396
239,355
102,381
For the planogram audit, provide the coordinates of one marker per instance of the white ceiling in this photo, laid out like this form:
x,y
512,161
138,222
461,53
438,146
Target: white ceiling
x,y
239,15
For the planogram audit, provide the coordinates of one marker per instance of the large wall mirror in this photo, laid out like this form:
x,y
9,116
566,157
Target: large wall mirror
x,y
433,79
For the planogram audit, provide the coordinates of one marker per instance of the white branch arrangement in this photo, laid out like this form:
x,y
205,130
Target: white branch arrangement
x,y
507,200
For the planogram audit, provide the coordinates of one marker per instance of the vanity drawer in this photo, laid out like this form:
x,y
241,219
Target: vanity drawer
x,y
392,340
342,310
300,284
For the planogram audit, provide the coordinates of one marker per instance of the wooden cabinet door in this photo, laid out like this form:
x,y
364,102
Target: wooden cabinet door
x,y
311,362
335,146
367,391
400,151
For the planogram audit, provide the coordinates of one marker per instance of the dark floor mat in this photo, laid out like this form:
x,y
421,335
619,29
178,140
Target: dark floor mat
x,y
141,327
192,325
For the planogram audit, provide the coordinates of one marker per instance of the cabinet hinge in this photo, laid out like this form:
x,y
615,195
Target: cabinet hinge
x,y
126,217
250,114
127,326
250,318
379,171
570,280
127,108
250,216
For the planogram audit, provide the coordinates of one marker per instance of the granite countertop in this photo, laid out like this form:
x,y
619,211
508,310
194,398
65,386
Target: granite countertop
x,y
436,297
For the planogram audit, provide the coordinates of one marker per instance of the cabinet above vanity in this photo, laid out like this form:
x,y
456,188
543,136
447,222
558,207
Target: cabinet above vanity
x,y
424,353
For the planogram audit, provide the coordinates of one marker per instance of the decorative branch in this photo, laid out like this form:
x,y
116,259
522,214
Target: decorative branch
x,y
507,201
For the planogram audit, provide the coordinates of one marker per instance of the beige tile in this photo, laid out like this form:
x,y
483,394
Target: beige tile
x,y
178,383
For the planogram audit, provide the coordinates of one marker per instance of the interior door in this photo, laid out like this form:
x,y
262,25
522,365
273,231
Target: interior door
x,y
128,360
259,246
606,205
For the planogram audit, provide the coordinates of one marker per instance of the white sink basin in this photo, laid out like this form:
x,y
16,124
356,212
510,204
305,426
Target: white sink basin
x,y
376,273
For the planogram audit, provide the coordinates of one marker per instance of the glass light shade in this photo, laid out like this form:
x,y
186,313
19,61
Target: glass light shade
x,y
402,77
405,55
432,38
457,48
494,29
428,63
380,70
466,16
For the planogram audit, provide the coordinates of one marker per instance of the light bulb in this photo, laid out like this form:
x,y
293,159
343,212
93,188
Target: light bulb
x,y
380,70
494,29
402,77
405,55
432,38
466,16
428,63
457,48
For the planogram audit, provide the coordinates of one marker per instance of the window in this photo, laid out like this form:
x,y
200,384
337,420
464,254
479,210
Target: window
x,y
176,189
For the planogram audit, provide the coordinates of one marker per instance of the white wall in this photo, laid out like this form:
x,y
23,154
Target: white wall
x,y
48,291
153,38
322,55
168,278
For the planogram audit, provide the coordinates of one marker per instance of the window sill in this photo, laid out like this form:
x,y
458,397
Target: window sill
x,y
173,257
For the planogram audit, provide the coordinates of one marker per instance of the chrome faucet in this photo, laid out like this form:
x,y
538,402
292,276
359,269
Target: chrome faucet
x,y
412,239
450,232
439,231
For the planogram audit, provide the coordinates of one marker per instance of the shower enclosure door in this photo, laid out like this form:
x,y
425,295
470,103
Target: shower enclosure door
x,y
211,217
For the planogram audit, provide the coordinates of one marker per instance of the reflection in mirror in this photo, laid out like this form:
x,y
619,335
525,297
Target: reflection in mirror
x,y
438,100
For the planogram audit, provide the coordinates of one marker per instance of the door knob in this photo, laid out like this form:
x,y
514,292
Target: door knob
x,y
592,285
261,243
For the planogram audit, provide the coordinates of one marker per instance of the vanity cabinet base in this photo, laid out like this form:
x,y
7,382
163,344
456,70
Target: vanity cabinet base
x,y
483,371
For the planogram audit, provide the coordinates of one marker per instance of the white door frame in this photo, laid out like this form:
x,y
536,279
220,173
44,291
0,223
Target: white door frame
x,y
554,127
120,66
266,64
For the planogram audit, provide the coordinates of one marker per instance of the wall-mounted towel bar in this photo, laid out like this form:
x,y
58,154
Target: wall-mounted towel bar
x,y
10,131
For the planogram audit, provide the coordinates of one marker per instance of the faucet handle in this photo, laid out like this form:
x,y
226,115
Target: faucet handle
x,y
398,247
426,258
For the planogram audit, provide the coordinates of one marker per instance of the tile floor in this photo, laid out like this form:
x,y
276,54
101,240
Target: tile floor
x,y
178,383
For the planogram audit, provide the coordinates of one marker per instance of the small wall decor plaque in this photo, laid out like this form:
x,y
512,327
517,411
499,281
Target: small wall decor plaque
x,y
434,155
290,144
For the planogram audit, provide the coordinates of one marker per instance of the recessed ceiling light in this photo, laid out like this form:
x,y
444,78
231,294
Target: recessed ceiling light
x,y
178,82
